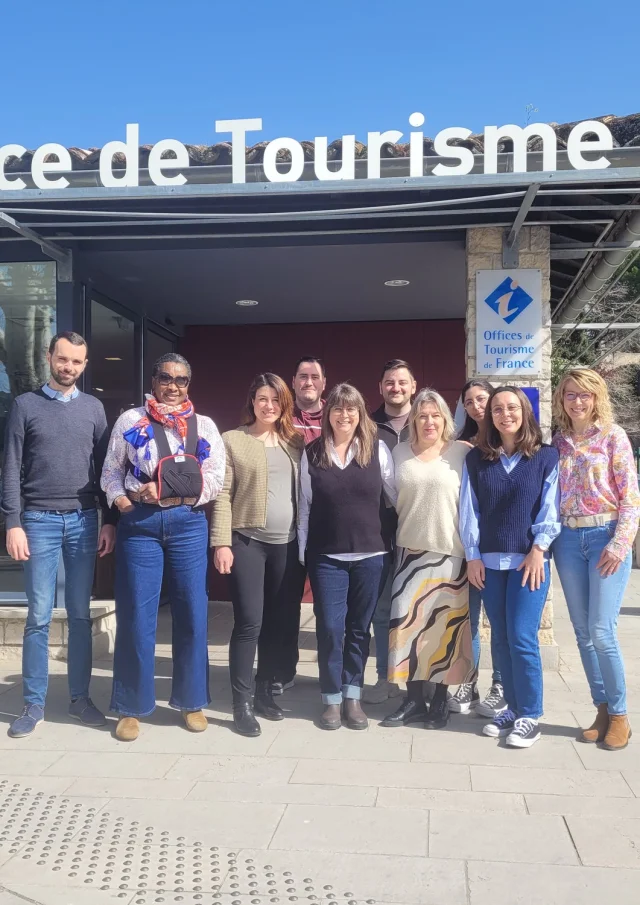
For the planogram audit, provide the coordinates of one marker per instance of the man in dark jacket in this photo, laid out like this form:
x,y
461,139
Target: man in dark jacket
x,y
397,388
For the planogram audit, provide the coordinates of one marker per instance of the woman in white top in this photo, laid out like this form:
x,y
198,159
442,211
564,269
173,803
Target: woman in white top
x,y
430,633
343,475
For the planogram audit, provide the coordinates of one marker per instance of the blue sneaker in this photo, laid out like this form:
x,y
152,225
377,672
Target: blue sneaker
x,y
26,723
501,725
85,710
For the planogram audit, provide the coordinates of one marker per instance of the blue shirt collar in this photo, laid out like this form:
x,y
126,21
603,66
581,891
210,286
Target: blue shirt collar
x,y
57,395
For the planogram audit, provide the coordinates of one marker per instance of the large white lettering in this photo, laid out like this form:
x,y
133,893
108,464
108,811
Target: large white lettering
x,y
130,149
520,137
238,129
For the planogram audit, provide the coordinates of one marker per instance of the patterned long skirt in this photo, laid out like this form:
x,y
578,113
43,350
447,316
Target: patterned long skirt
x,y
430,632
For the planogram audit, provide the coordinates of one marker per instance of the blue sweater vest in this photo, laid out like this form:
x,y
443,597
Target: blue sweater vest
x,y
509,503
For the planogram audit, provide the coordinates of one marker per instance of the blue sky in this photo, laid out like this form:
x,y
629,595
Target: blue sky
x,y
77,72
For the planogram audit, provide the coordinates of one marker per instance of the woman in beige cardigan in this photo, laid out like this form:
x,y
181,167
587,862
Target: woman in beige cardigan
x,y
253,530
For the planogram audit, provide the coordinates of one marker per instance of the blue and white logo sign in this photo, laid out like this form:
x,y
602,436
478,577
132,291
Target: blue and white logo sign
x,y
509,322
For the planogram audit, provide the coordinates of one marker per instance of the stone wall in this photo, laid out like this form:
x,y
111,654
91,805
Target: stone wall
x,y
103,630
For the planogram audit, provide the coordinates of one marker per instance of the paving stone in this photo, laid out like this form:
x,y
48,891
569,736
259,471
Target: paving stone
x,y
344,830
288,793
238,768
344,745
551,782
40,894
633,779
607,842
29,763
153,789
125,764
52,785
372,773
67,735
577,806
437,800
174,739
451,748
505,837
596,758
524,884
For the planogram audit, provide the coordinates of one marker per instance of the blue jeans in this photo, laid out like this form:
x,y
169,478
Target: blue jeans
x,y
380,625
152,542
514,614
75,535
475,609
594,604
345,595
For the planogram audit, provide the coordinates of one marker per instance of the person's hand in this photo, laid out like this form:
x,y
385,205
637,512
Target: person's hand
x,y
123,504
532,568
223,560
149,492
475,571
107,540
17,544
608,564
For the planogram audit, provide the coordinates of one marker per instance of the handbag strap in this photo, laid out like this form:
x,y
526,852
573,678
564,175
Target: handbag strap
x,y
162,443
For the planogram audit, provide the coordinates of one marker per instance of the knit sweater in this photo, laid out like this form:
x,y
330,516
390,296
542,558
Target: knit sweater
x,y
428,499
242,502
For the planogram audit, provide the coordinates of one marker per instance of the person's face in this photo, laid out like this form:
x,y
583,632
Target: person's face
x,y
266,407
475,403
343,420
578,404
397,387
506,413
171,385
67,362
309,383
430,423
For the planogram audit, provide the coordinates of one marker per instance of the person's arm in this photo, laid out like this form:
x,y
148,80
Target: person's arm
x,y
545,529
221,515
469,525
214,466
304,506
114,468
387,471
12,466
100,447
625,476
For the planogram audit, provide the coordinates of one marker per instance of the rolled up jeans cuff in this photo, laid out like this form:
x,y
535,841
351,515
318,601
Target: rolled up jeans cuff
x,y
335,698
354,692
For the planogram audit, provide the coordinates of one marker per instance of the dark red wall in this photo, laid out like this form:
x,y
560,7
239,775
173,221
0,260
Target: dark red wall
x,y
225,359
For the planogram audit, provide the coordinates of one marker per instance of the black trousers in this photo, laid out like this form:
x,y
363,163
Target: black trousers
x,y
266,581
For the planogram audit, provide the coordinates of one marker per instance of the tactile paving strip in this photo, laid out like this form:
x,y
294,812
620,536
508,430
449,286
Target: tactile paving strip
x,y
90,848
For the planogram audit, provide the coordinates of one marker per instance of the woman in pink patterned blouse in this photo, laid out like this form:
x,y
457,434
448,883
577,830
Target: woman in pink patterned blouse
x,y
599,510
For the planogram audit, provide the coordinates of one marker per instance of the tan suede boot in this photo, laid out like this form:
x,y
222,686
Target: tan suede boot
x,y
195,720
598,730
618,734
127,729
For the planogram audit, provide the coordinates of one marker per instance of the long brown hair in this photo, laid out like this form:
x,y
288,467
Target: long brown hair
x,y
366,433
284,425
528,440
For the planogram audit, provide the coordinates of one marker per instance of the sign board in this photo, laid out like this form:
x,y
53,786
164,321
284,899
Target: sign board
x,y
509,323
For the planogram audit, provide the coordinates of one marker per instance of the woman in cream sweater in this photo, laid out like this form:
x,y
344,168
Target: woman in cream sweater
x,y
430,633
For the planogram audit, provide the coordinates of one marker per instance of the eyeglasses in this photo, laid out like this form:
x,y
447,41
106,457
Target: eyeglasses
x,y
479,400
511,409
583,397
166,380
350,410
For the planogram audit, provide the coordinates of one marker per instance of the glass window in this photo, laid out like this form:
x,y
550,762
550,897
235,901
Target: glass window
x,y
156,344
113,359
27,323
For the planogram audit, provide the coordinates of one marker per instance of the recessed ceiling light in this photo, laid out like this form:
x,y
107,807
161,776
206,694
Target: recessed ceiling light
x,y
98,389
396,282
112,358
246,303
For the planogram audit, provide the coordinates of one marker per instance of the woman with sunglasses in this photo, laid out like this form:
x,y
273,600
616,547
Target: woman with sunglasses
x,y
163,464
599,511
475,395
508,521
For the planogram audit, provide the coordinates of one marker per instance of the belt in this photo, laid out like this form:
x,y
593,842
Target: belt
x,y
136,497
589,521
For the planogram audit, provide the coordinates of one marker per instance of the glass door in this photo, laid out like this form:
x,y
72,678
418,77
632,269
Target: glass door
x,y
115,352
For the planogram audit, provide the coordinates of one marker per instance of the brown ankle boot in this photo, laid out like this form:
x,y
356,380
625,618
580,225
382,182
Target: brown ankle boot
x,y
598,730
618,734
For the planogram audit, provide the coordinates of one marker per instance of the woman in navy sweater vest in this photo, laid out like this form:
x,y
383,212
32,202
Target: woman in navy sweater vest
x,y
508,519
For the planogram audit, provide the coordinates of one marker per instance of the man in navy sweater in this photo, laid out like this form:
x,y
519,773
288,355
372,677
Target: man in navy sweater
x,y
55,443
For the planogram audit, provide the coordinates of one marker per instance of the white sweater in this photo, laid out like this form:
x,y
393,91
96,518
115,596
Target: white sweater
x,y
428,499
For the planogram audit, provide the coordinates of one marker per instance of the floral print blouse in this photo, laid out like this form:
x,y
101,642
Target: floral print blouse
x,y
598,475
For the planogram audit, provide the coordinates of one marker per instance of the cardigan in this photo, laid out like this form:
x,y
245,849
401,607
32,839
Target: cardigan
x,y
242,502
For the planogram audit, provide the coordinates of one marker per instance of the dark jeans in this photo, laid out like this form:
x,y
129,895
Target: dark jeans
x,y
475,610
265,591
345,595
152,542
514,613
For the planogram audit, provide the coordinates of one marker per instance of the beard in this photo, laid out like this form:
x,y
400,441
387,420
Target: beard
x,y
65,380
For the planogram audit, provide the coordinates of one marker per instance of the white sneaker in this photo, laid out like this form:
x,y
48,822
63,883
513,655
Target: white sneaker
x,y
493,704
381,692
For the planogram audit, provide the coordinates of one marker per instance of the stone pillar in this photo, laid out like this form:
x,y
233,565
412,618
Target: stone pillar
x,y
484,252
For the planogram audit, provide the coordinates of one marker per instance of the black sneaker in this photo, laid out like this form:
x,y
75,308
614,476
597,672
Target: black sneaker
x,y
494,703
501,725
524,734
464,700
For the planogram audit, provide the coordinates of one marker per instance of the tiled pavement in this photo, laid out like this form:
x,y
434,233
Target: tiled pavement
x,y
300,815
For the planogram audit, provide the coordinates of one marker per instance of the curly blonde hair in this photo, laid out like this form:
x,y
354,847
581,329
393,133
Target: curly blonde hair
x,y
589,381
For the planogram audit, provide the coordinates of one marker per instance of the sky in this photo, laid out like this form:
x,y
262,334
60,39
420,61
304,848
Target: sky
x,y
77,72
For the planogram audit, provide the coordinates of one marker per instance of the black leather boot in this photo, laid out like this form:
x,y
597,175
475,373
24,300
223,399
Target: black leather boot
x,y
264,704
244,722
410,711
354,715
438,715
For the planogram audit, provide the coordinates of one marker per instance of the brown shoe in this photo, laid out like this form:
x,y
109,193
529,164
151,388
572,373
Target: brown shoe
x,y
330,717
618,734
195,720
354,715
598,730
128,729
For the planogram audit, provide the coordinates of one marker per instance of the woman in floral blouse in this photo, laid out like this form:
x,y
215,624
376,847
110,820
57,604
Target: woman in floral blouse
x,y
599,509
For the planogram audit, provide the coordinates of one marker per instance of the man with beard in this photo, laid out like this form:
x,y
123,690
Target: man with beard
x,y
309,382
55,443
397,388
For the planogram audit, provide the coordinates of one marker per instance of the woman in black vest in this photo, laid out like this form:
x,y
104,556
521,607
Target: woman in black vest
x,y
343,474
509,504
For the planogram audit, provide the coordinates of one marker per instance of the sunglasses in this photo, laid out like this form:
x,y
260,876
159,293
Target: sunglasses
x,y
165,380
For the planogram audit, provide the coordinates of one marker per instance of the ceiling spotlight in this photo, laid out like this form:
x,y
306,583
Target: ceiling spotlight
x,y
246,303
112,358
396,282
98,389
